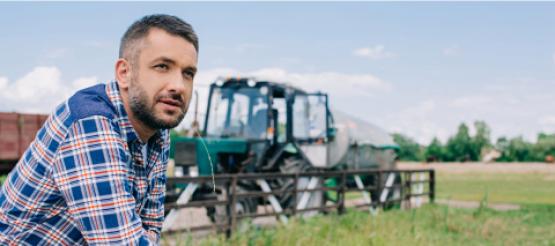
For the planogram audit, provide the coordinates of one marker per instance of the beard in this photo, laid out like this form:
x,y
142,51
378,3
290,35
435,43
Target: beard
x,y
138,102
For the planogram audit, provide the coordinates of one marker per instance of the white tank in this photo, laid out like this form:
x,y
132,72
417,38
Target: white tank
x,y
357,144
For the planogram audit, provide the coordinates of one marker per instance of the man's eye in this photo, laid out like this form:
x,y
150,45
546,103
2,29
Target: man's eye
x,y
161,67
189,74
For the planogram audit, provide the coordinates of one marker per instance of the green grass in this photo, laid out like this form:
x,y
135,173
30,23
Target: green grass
x,y
429,225
533,224
531,188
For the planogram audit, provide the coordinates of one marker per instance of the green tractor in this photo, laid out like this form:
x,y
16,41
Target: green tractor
x,y
254,126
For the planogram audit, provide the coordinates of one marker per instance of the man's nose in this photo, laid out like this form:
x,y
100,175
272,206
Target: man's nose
x,y
177,83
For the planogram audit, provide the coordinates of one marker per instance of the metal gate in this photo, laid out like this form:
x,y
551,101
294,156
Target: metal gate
x,y
404,188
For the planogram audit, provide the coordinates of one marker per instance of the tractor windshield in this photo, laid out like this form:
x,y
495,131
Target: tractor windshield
x,y
238,112
310,116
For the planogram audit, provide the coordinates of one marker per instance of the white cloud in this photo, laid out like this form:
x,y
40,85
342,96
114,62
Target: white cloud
x,y
452,50
470,101
547,123
38,91
3,83
547,120
377,52
337,85
418,121
332,82
34,86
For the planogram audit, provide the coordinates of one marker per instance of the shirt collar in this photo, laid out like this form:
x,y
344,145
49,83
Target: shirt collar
x,y
128,132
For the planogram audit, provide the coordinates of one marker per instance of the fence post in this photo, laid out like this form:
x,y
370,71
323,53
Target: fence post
x,y
227,209
408,189
432,191
233,202
341,194
379,188
295,191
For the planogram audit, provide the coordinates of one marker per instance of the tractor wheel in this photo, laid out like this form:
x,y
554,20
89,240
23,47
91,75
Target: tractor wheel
x,y
290,165
219,215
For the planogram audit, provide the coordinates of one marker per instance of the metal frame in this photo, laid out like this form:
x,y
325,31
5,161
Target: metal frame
x,y
409,189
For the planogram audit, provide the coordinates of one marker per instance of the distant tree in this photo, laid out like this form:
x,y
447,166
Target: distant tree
x,y
435,151
544,146
516,149
464,147
481,140
502,145
459,147
409,150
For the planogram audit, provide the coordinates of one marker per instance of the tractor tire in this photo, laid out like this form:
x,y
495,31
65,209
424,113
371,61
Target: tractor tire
x,y
219,215
291,165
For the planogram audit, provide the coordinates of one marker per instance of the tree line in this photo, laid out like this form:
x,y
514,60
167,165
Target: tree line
x,y
466,147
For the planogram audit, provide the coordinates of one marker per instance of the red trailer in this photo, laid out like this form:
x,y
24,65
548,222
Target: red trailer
x,y
17,131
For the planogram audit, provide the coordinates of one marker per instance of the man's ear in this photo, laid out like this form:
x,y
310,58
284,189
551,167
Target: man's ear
x,y
123,73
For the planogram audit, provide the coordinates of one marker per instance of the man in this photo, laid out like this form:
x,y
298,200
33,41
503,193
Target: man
x,y
95,174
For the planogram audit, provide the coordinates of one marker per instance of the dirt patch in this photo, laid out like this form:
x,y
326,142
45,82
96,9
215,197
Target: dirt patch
x,y
474,204
479,167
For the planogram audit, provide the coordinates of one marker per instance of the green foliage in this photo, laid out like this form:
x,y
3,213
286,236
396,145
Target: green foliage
x,y
481,139
435,151
409,150
518,149
466,147
460,147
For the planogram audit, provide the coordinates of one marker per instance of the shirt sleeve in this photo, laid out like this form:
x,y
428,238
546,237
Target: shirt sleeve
x,y
91,173
152,213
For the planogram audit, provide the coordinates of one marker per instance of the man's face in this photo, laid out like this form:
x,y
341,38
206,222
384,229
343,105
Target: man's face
x,y
162,79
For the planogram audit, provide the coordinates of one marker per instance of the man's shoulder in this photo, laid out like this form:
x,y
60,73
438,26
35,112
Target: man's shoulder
x,y
91,101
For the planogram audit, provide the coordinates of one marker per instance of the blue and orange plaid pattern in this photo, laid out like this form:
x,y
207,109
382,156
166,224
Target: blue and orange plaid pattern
x,y
84,181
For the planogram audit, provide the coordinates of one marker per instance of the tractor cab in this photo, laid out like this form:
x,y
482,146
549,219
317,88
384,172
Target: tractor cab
x,y
274,120
266,111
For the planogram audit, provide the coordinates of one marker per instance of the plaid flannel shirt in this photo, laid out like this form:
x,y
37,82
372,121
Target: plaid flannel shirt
x,y
83,180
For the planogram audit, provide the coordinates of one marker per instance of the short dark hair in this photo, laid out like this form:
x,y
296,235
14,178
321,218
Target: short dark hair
x,y
169,23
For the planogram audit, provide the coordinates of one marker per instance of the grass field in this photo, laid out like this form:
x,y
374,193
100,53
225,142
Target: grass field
x,y
428,225
532,224
523,188
523,183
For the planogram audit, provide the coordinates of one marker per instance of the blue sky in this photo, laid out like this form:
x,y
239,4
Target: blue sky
x,y
415,68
